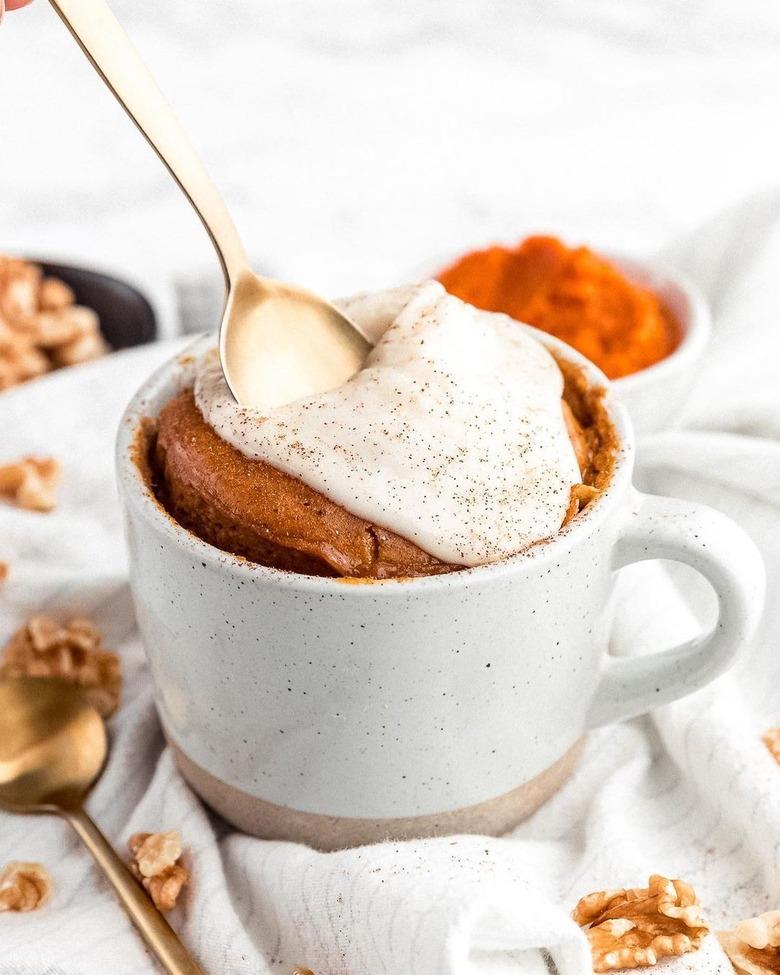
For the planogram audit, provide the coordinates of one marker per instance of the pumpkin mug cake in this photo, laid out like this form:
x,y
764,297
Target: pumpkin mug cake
x,y
475,479
462,442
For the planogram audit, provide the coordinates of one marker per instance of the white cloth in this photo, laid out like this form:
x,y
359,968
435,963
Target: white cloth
x,y
690,791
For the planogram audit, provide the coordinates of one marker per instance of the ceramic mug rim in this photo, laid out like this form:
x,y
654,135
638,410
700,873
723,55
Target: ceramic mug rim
x,y
136,492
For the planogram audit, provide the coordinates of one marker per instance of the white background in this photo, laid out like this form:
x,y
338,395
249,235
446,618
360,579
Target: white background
x,y
357,141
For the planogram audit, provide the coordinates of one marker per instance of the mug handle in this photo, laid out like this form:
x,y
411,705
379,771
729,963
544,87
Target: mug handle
x,y
711,543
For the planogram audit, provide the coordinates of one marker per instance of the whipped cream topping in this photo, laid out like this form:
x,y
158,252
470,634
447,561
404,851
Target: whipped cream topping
x,y
452,435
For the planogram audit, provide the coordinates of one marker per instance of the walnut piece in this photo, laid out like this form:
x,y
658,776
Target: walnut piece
x,y
19,361
24,886
155,864
41,326
55,294
754,945
73,652
635,927
302,971
771,739
85,341
20,282
3,572
31,482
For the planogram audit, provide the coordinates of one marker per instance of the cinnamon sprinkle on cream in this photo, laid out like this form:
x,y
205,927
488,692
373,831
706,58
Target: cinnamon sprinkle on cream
x,y
452,436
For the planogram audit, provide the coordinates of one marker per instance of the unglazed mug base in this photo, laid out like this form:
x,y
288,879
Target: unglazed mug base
x,y
270,821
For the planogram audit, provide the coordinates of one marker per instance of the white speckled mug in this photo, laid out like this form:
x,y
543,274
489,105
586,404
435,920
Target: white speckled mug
x,y
336,713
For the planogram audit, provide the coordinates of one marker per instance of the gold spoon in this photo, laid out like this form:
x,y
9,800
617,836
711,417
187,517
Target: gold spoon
x,y
52,750
277,342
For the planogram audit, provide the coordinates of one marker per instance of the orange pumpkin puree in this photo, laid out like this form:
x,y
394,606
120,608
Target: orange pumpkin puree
x,y
573,294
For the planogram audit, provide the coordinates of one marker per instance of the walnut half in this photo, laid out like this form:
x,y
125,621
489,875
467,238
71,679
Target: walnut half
x,y
24,886
31,482
155,864
754,945
71,651
632,928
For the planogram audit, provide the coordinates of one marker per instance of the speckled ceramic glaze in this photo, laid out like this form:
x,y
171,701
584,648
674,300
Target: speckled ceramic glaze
x,y
339,712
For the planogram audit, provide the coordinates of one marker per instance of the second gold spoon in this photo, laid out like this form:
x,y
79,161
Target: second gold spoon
x,y
278,342
52,749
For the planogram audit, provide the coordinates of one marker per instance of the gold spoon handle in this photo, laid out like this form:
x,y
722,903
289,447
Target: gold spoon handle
x,y
116,60
155,930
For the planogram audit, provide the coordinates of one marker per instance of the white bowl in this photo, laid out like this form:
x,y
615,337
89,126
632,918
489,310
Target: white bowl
x,y
654,396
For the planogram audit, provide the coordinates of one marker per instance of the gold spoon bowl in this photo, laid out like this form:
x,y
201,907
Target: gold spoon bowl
x,y
53,747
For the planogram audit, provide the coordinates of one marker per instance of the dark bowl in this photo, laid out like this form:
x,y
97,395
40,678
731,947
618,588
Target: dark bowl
x,y
126,317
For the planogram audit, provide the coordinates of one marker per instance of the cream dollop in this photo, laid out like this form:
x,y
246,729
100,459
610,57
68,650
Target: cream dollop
x,y
452,435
